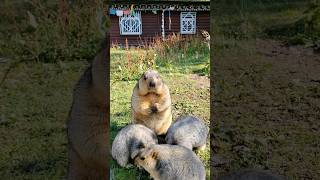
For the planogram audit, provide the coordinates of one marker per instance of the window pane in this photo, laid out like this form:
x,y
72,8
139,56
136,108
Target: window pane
x,y
188,22
131,24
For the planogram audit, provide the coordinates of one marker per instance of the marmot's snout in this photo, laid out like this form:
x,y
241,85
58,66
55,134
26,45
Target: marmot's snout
x,y
154,109
152,84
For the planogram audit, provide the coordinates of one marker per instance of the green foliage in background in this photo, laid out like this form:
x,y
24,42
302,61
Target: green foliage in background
x,y
51,31
296,22
304,30
175,54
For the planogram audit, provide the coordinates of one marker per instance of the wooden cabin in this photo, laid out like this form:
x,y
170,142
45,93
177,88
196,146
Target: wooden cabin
x,y
140,23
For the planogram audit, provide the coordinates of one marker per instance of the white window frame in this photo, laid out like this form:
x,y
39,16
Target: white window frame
x,y
188,17
126,23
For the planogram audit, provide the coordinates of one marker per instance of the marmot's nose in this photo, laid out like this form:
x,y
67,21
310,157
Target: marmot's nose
x,y
152,84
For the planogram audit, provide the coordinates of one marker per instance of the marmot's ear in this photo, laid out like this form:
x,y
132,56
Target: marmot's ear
x,y
154,155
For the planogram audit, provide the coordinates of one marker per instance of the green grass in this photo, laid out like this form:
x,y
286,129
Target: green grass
x,y
34,104
36,96
267,103
251,19
189,93
51,31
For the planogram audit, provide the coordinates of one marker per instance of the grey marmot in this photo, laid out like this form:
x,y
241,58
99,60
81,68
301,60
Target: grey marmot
x,y
251,174
129,140
170,162
151,103
188,131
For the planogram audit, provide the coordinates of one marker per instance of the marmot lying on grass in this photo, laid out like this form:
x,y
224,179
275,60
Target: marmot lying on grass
x,y
170,162
131,139
151,103
250,174
189,132
87,124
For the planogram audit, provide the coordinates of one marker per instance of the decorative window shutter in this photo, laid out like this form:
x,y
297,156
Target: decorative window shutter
x,y
188,22
130,24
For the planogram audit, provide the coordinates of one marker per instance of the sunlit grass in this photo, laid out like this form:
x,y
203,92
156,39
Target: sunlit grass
x,y
189,92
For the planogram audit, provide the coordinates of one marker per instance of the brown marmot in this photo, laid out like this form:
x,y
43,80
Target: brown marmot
x,y
130,139
151,103
188,131
170,162
87,125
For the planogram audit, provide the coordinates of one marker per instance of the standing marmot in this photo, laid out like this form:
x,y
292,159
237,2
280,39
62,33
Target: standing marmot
x,y
189,132
130,140
151,103
170,162
88,132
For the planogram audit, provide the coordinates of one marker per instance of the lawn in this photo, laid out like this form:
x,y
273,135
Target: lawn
x,y
266,92
34,103
36,97
189,92
47,60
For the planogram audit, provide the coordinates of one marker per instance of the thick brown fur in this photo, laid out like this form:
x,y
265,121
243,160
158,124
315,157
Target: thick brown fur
x,y
151,106
88,132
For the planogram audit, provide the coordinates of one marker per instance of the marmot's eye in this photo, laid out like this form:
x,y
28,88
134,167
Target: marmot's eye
x,y
142,158
144,77
141,146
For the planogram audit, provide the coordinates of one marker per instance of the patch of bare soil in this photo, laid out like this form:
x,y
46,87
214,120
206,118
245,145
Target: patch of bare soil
x,y
267,110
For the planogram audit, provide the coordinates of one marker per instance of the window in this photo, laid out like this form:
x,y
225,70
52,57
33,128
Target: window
x,y
188,22
131,24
